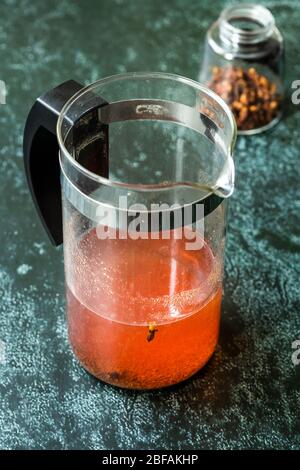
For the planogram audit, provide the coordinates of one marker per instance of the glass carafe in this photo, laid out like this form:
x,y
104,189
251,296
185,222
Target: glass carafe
x,y
144,172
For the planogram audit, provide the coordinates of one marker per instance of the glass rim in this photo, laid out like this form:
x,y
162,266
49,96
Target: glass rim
x,y
140,75
260,14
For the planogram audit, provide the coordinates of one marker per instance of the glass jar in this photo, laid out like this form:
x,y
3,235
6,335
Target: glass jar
x,y
243,63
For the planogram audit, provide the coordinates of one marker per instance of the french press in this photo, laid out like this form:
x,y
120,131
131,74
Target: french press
x,y
132,174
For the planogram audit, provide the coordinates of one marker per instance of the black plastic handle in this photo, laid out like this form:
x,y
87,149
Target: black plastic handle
x,y
41,156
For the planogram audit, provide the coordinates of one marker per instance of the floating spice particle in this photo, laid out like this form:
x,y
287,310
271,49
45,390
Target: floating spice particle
x,y
253,98
114,375
151,332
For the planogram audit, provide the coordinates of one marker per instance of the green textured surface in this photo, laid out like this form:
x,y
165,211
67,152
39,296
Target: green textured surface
x,y
248,395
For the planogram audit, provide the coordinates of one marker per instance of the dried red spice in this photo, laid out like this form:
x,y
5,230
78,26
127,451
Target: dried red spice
x,y
151,332
252,97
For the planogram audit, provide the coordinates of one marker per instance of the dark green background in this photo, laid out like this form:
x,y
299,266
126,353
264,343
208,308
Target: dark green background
x,y
248,395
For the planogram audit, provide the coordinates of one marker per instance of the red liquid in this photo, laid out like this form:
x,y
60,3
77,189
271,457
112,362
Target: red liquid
x,y
142,314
